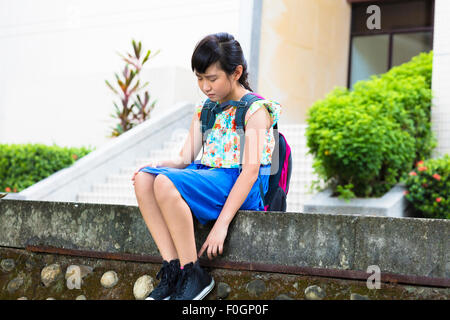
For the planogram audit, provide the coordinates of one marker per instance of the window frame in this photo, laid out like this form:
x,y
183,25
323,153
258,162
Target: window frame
x,y
390,33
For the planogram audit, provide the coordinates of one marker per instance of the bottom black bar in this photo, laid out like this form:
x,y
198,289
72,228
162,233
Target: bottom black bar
x,y
221,309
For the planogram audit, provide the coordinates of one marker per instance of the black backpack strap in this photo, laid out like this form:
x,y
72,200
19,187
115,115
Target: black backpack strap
x,y
207,117
209,112
245,103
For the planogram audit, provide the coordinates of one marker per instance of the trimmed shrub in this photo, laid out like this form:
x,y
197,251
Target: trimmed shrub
x,y
364,141
22,165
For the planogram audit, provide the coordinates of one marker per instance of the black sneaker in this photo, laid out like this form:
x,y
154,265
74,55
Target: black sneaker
x,y
194,283
168,274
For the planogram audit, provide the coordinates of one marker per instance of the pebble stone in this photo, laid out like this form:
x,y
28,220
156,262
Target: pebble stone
x,y
85,270
75,275
7,265
14,284
283,297
256,287
30,264
22,298
109,279
50,273
81,297
314,293
355,296
50,298
223,290
142,287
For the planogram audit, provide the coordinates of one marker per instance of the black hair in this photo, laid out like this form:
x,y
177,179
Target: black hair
x,y
223,48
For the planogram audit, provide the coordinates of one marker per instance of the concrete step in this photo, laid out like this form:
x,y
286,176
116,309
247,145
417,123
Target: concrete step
x,y
90,197
129,170
113,188
163,154
140,162
173,145
124,179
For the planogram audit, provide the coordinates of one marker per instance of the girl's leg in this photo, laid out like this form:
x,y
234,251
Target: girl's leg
x,y
178,217
144,189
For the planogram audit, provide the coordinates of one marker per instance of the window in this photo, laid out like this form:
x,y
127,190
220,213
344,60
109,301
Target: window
x,y
406,30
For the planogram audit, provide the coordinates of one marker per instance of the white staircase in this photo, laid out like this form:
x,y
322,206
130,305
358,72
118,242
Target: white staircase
x,y
302,171
118,188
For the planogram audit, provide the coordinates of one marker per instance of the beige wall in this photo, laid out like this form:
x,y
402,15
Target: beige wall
x,y
440,112
303,52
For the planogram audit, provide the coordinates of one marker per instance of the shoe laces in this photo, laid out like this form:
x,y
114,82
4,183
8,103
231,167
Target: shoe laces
x,y
167,274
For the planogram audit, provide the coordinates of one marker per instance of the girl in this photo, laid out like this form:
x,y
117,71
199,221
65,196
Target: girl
x,y
170,192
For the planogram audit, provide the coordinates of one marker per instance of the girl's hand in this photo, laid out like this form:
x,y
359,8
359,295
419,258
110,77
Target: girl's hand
x,y
153,164
214,242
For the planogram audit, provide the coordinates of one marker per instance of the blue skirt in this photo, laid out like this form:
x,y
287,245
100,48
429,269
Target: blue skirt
x,y
205,189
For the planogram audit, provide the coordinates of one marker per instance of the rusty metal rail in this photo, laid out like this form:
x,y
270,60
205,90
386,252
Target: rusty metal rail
x,y
249,266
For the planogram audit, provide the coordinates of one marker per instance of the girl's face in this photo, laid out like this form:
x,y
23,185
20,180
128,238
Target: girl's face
x,y
216,84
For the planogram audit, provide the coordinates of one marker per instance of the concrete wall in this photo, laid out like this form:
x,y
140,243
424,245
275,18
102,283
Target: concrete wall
x,y
303,52
405,246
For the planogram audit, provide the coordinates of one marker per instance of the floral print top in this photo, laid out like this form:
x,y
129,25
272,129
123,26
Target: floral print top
x,y
221,149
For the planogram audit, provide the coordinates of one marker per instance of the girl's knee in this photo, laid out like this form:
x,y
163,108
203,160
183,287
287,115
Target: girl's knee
x,y
143,181
164,188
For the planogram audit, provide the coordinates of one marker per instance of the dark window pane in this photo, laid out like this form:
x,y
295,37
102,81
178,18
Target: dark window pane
x,y
393,15
369,56
407,45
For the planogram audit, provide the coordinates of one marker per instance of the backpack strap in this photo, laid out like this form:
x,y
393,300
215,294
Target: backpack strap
x,y
208,118
245,103
209,112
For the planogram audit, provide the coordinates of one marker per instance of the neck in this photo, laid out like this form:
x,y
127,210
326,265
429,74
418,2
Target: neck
x,y
236,95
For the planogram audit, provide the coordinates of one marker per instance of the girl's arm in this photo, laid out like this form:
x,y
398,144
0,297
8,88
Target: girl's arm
x,y
255,135
190,149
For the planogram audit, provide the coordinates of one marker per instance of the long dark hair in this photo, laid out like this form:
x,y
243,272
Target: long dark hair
x,y
224,48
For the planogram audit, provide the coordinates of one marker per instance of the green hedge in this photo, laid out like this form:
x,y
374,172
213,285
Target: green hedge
x,y
22,165
364,141
428,187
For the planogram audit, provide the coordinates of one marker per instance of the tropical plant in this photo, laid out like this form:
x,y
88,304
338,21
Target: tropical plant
x,y
134,108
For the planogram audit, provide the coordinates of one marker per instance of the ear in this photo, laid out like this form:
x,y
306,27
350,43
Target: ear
x,y
238,72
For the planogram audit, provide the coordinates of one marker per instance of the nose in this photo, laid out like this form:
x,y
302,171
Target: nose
x,y
206,87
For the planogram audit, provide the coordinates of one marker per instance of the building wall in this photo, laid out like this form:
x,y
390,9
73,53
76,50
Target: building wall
x,y
440,82
303,53
55,56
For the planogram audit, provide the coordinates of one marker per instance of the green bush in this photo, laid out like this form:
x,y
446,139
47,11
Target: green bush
x,y
364,141
22,165
428,187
